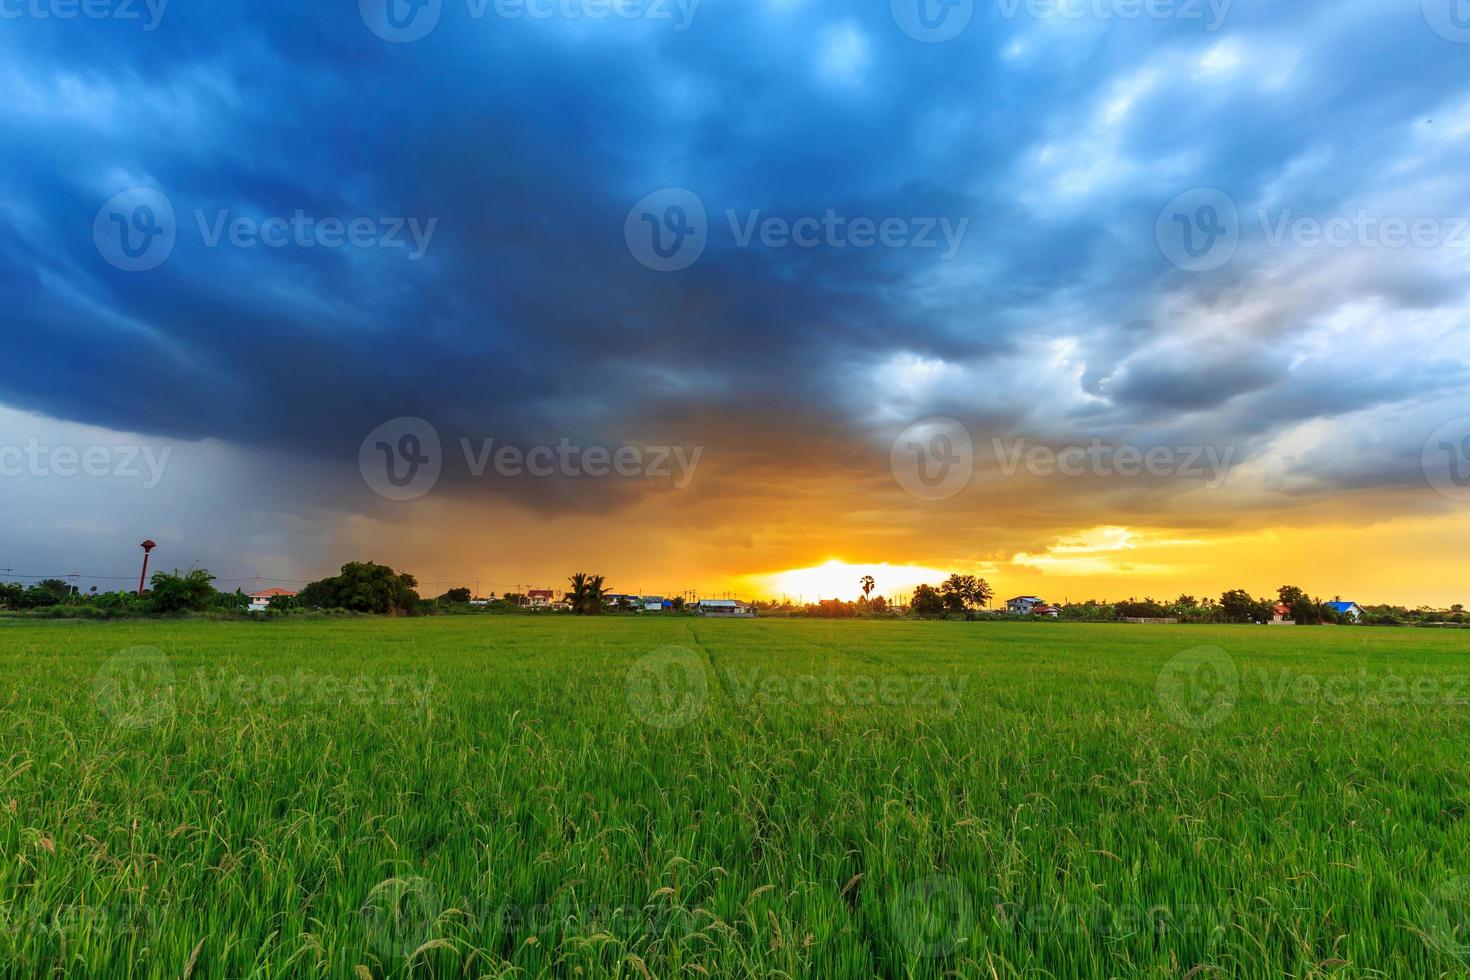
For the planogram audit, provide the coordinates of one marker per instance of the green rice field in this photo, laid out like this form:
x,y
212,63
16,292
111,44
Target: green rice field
x,y
544,796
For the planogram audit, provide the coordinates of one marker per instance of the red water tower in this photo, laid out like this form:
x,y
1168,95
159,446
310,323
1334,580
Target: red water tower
x,y
147,547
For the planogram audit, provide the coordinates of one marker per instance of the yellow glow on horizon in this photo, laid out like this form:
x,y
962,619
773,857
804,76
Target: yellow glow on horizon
x,y
836,579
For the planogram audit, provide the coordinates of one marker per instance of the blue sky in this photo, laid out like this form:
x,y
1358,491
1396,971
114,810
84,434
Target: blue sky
x,y
1028,168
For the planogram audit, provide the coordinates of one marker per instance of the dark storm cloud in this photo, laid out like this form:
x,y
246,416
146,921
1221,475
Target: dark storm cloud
x,y
528,319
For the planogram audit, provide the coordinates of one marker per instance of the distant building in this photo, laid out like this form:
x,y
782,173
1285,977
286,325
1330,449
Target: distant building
x,y
1351,610
1281,615
538,599
654,603
260,601
1023,605
725,608
1044,610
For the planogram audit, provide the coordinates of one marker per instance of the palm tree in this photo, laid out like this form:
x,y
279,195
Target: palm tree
x,y
867,583
578,595
596,588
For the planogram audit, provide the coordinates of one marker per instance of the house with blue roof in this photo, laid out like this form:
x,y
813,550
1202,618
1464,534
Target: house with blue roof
x,y
1349,609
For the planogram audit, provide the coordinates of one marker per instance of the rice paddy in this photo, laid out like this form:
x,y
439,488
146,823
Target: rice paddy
x,y
546,796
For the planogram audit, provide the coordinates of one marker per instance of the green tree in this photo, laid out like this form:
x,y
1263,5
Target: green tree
x,y
456,596
962,593
173,592
927,601
364,586
868,585
1237,606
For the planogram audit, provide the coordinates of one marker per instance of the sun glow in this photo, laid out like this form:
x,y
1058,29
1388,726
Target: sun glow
x,y
838,579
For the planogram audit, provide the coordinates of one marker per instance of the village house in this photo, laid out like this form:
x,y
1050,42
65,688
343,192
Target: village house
x,y
1351,610
1023,605
261,601
538,599
726,608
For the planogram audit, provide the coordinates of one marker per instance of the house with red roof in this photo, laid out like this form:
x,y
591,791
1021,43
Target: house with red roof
x,y
260,601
